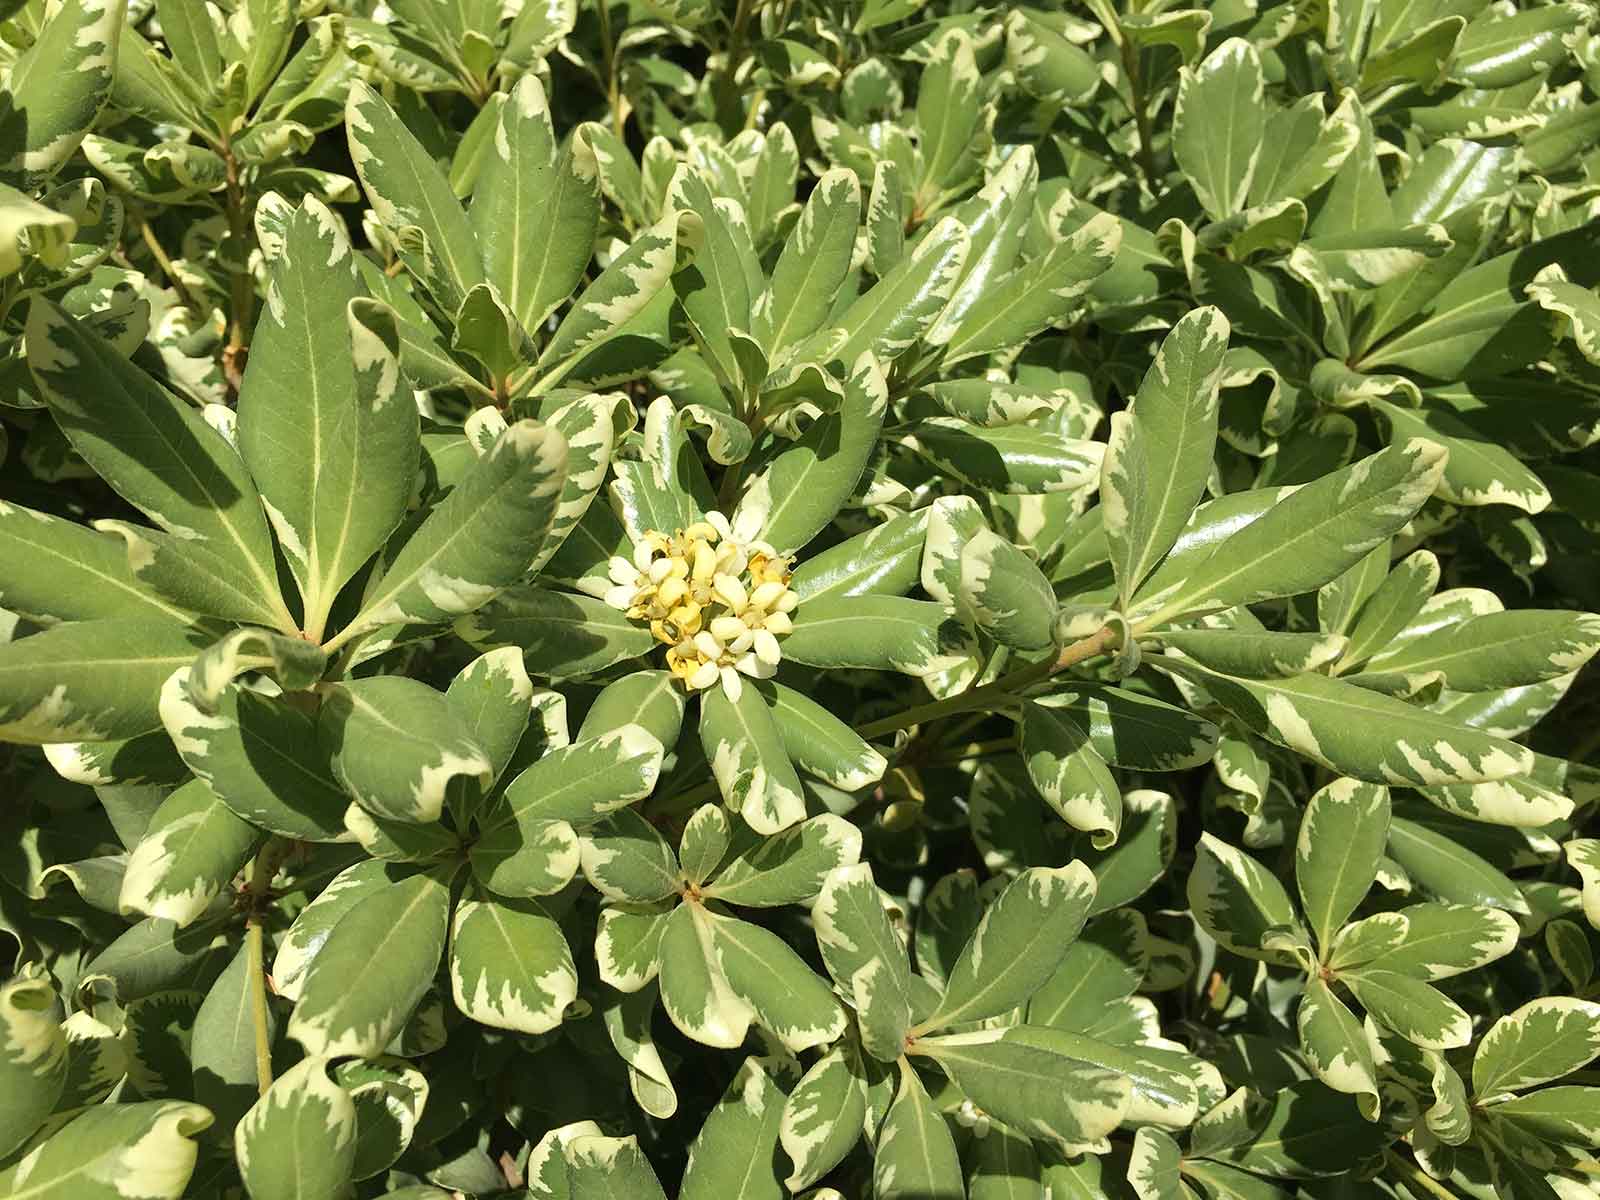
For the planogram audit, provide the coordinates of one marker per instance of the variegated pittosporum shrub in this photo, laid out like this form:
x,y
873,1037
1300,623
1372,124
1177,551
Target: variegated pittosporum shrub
x,y
884,599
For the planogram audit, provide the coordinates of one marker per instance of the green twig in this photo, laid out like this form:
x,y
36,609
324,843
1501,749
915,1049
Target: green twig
x,y
995,694
1414,1177
261,873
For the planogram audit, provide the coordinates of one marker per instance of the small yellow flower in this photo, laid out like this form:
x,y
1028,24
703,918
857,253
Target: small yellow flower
x,y
717,602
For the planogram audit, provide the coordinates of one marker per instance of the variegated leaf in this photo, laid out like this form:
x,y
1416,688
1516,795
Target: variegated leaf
x,y
396,745
90,681
509,965
1335,1045
300,1138
157,451
1539,1042
1159,455
112,1151
1071,777
325,425
1343,833
790,867
390,939
1017,945
33,1057
478,541
736,1150
748,760
191,850
823,1116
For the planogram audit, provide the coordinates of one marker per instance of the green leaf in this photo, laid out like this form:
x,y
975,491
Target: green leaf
x,y
1415,1010
535,210
735,1152
1447,869
509,965
916,1157
1022,459
1541,1041
790,867
1343,834
695,992
396,744
1242,905
626,859
1071,777
821,745
191,850
390,939
823,1116
222,1046
606,1168
865,957
800,493
112,1151
786,996
561,635
884,633
157,451
1307,539
33,1058
260,755
54,570
1039,294
812,266
479,540
411,196
1006,593
325,425
89,681
745,749
389,1095
1335,1045
1035,1091
1497,650
1361,733
1017,946
492,698
300,1138
1219,127
627,943
57,86
1159,454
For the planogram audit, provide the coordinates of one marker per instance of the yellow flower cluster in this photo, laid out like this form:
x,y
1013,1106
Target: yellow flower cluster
x,y
718,603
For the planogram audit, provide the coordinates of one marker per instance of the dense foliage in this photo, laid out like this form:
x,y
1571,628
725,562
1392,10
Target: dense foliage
x,y
869,598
